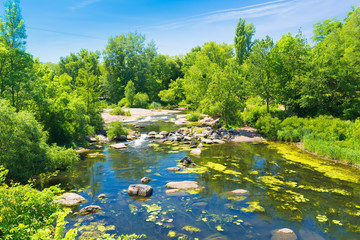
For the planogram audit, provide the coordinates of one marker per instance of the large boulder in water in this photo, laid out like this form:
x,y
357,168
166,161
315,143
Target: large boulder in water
x,y
239,192
118,146
185,185
140,190
89,210
70,200
196,151
186,160
283,234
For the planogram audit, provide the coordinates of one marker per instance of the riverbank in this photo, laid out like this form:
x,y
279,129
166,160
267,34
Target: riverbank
x,y
136,113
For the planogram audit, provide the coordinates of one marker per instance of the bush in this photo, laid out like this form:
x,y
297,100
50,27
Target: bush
x,y
118,111
268,126
141,100
124,102
24,151
194,117
292,129
116,130
154,105
26,213
128,113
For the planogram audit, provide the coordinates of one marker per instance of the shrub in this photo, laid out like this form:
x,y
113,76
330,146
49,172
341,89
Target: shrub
x,y
124,102
194,117
24,151
118,111
130,93
268,126
154,105
141,100
292,129
128,113
116,130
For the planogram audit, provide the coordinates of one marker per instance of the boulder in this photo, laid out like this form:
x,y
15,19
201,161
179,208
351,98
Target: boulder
x,y
152,133
196,151
283,234
217,141
240,192
185,185
140,190
146,180
187,138
172,191
164,133
159,136
186,160
174,169
89,210
102,196
118,146
70,200
206,141
121,138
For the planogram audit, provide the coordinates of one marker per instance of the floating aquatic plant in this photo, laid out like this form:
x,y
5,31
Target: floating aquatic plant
x,y
253,207
191,229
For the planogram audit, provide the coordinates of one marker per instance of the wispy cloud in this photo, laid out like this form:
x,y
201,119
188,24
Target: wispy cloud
x,y
253,11
83,4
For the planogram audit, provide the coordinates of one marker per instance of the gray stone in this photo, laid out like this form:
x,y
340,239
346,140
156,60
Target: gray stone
x,y
206,141
186,160
102,196
140,190
70,200
283,234
152,133
187,138
196,151
240,192
217,141
159,136
185,185
89,210
165,133
174,169
118,146
146,180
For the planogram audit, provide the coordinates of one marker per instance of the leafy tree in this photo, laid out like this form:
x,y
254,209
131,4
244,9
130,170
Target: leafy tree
x,y
12,26
130,93
324,28
141,100
258,71
25,152
243,40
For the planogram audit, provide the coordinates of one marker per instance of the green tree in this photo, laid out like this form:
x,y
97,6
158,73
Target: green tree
x,y
324,28
258,71
12,26
243,40
130,92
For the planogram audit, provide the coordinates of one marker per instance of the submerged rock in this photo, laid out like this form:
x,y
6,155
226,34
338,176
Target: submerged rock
x,y
174,169
185,185
70,200
146,180
171,191
196,151
118,146
240,192
217,236
309,235
102,196
186,160
283,234
89,210
140,190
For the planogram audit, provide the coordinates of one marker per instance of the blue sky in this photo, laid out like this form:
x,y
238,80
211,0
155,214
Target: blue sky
x,y
57,28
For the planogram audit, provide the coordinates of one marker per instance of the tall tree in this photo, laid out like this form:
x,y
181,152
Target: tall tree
x,y
258,70
12,26
243,40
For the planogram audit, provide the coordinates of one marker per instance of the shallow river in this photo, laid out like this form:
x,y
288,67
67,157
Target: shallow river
x,y
287,189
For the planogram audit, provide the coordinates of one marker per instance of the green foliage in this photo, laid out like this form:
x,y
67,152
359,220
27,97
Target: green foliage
x,y
118,111
141,100
12,26
116,129
292,129
243,40
268,126
124,102
194,116
128,113
130,93
23,146
154,105
255,109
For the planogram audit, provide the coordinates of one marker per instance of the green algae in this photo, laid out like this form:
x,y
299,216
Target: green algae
x,y
253,207
191,229
171,234
292,153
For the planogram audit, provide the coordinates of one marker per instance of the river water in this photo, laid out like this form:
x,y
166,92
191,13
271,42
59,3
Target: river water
x,y
287,188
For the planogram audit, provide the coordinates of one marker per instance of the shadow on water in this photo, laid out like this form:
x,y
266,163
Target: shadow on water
x,y
282,193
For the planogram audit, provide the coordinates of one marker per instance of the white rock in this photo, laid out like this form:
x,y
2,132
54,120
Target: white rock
x,y
118,146
283,234
70,200
185,185
196,151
